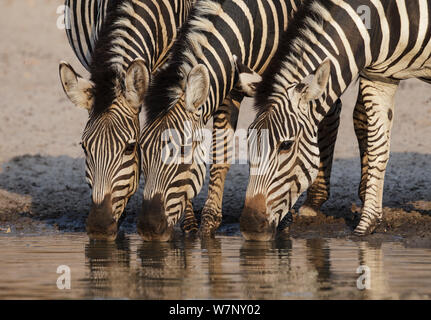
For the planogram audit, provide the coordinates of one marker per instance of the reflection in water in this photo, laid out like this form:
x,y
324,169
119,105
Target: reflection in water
x,y
371,255
265,268
318,257
218,278
162,270
108,263
223,268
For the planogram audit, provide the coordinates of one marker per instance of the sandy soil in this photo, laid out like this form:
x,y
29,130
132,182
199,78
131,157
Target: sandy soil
x,y
42,167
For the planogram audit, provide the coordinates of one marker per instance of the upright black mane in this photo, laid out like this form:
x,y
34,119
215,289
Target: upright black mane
x,y
102,72
159,98
298,23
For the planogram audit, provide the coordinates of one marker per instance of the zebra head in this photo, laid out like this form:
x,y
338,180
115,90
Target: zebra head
x,y
283,154
110,143
173,159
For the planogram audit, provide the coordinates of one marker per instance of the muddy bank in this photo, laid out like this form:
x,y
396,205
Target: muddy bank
x,y
410,227
41,193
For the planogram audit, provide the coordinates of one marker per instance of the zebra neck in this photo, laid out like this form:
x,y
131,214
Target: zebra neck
x,y
215,31
134,29
151,29
315,36
218,91
169,23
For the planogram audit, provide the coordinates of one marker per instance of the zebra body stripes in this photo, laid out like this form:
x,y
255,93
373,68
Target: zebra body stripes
x,y
84,19
124,42
329,38
199,77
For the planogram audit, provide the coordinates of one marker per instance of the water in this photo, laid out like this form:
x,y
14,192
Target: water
x,y
224,268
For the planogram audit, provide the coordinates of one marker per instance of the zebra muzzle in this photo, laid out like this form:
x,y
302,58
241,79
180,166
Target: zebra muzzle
x,y
100,223
152,222
254,221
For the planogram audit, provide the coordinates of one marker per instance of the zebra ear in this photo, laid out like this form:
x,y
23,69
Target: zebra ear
x,y
247,78
197,87
77,89
136,83
319,82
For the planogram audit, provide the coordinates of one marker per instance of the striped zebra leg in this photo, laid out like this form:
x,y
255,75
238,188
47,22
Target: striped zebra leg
x,y
189,224
318,192
225,120
360,125
378,105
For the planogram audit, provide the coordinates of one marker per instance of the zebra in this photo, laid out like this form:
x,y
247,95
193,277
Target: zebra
x,y
83,21
133,41
196,84
330,39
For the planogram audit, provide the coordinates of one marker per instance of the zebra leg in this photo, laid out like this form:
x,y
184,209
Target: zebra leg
x,y
318,192
225,120
378,104
189,224
360,124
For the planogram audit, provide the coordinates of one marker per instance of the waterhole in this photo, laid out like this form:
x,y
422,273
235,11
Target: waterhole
x,y
227,267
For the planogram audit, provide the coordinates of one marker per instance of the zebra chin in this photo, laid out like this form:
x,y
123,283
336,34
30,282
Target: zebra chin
x,y
254,221
101,224
152,221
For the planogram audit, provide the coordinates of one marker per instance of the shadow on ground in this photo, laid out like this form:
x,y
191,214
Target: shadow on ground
x,y
52,192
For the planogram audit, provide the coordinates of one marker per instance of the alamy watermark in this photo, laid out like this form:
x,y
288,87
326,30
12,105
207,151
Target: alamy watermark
x,y
364,12
205,146
64,280
63,21
364,280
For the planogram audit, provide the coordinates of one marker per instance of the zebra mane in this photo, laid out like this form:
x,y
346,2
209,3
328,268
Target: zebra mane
x,y
107,67
169,82
290,51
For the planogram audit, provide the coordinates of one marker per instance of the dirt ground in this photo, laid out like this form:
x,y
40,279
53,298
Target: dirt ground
x,y
42,167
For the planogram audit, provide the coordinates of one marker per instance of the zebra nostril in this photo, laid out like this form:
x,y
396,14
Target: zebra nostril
x,y
262,226
152,221
253,221
100,216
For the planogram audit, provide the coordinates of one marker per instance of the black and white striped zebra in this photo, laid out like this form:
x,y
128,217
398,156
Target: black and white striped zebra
x,y
195,86
84,20
132,43
330,38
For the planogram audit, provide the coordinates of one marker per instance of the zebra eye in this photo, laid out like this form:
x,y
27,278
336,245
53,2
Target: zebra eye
x,y
285,145
130,148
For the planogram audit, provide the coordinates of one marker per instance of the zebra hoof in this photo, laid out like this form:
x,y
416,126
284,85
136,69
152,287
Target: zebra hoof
x,y
190,228
191,231
206,233
210,221
283,234
365,229
308,211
